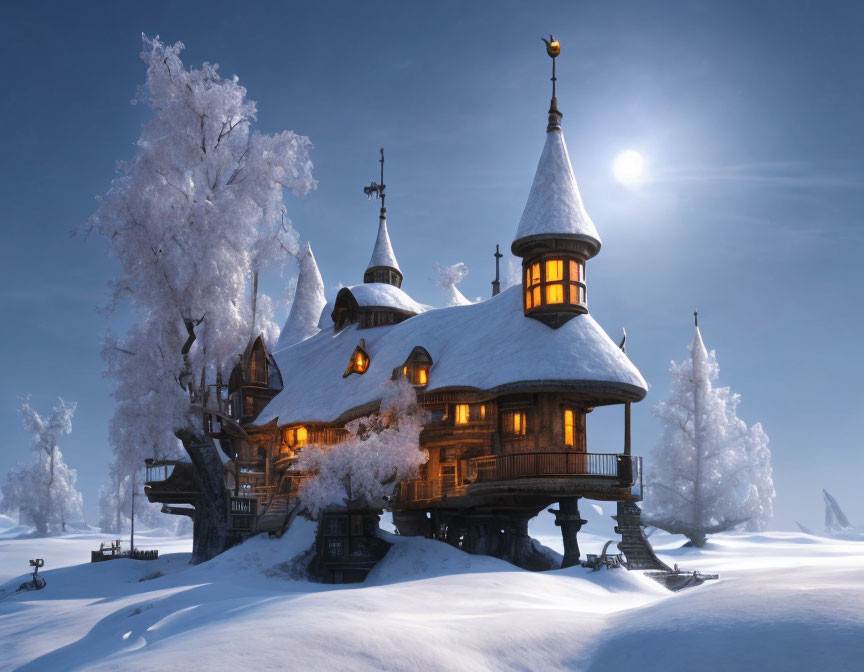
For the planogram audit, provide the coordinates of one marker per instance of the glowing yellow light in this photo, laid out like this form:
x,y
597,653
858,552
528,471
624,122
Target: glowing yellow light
x,y
461,414
302,436
554,270
555,293
422,376
569,434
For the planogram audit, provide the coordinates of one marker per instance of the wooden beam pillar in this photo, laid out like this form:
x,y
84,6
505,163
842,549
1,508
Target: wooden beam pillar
x,y
568,519
627,428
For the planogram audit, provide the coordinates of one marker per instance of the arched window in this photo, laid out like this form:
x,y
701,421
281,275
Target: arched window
x,y
416,368
360,360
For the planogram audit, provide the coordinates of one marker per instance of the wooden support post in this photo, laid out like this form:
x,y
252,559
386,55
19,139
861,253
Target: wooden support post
x,y
627,428
568,519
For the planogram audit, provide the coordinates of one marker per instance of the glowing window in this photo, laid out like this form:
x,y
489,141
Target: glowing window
x,y
555,293
569,429
422,376
404,370
518,424
575,271
577,294
302,436
535,274
515,423
462,413
359,361
536,296
482,411
554,270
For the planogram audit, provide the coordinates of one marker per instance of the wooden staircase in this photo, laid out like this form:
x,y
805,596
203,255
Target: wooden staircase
x,y
635,547
273,515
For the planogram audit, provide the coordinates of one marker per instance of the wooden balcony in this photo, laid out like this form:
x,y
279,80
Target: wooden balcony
x,y
564,470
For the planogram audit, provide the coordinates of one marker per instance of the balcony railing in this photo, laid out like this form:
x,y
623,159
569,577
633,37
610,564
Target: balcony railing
x,y
525,465
624,469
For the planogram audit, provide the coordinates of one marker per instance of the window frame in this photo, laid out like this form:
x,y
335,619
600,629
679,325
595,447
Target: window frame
x,y
537,288
508,422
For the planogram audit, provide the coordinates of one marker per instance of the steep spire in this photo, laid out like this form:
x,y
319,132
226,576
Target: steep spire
x,y
382,254
308,302
383,266
554,208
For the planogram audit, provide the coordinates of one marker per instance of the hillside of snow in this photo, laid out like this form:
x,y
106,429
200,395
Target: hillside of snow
x,y
785,601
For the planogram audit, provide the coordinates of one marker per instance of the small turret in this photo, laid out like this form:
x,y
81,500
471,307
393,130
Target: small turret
x,y
383,266
555,236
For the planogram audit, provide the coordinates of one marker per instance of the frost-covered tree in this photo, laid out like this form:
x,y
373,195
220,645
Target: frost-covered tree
x,y
191,218
381,450
43,491
448,278
709,472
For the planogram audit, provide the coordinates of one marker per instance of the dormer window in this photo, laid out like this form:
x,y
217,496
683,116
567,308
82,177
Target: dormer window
x,y
416,367
360,360
294,437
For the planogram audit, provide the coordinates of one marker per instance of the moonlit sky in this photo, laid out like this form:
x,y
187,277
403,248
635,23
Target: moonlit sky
x,y
748,116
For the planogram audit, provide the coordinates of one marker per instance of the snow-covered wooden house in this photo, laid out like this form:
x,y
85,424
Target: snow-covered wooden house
x,y
509,383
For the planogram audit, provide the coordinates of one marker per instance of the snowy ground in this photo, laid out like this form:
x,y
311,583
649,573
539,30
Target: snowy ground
x,y
785,601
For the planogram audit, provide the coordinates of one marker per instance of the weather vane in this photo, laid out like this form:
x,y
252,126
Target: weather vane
x,y
376,190
553,48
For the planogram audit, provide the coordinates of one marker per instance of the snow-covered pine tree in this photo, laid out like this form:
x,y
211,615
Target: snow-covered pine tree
x,y
381,450
709,472
43,492
448,278
190,219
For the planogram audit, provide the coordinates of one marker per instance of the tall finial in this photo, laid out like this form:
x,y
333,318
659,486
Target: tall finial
x,y
696,318
553,48
496,283
376,190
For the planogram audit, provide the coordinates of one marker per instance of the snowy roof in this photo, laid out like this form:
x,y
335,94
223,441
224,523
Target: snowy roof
x,y
308,302
485,346
382,295
554,204
383,254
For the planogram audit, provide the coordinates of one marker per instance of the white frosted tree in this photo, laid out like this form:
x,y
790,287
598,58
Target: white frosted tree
x,y
191,219
43,491
448,278
381,450
710,472
308,302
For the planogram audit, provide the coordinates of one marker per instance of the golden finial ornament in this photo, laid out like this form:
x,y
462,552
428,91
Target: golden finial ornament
x,y
553,46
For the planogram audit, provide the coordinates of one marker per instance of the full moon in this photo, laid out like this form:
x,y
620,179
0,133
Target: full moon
x,y
629,167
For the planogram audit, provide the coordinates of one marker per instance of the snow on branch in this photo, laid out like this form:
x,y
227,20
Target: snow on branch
x,y
191,217
381,450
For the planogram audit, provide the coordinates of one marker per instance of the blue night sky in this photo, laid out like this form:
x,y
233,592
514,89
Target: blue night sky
x,y
748,114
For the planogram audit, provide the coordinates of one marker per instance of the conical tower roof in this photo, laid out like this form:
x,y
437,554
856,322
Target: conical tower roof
x,y
382,254
308,302
554,208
